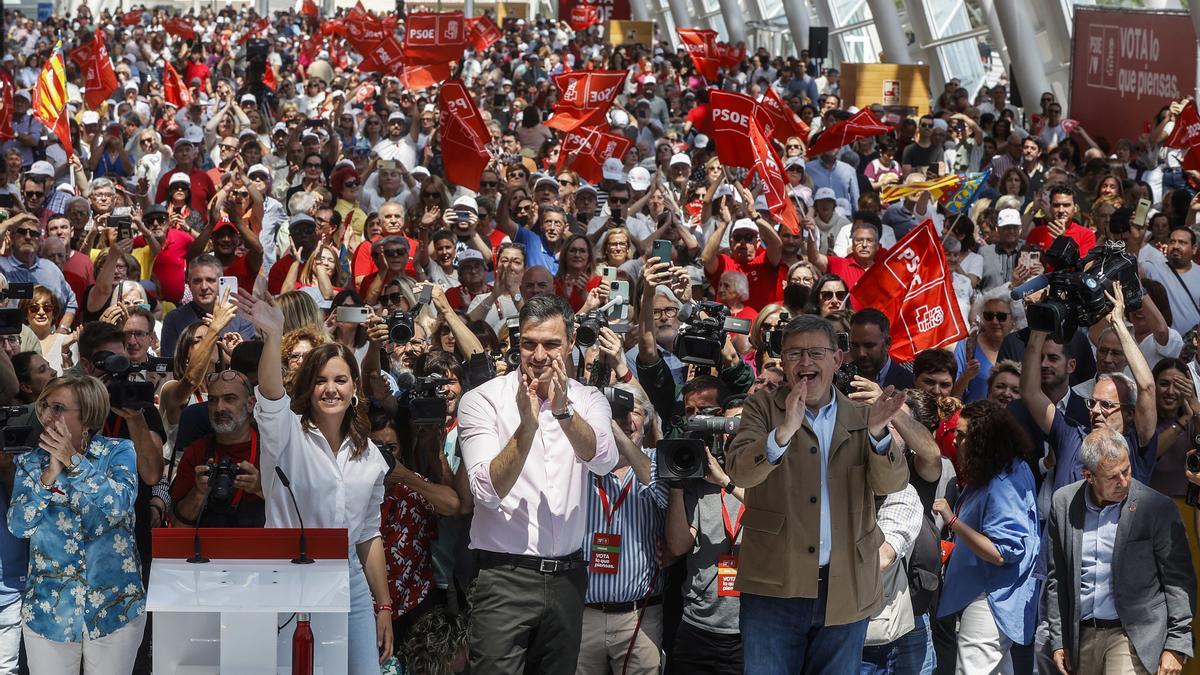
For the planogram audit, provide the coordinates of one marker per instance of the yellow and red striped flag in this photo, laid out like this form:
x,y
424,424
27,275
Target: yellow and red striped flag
x,y
936,187
50,98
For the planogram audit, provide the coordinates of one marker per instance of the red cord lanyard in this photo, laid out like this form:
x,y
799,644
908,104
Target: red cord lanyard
x,y
732,529
608,513
237,497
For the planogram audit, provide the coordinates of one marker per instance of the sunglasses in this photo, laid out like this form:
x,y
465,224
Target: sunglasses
x,y
30,193
430,195
488,184
350,184
830,295
794,147
312,165
744,238
26,232
565,183
995,316
229,147
239,194
41,307
389,299
618,200
395,252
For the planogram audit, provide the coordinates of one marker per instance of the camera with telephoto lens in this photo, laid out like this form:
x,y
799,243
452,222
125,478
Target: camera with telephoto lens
x,y
1075,289
10,319
680,458
587,328
619,401
774,337
427,401
512,357
220,480
22,429
122,391
700,341
400,322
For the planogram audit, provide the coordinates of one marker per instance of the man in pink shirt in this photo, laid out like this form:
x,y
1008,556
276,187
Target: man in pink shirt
x,y
528,441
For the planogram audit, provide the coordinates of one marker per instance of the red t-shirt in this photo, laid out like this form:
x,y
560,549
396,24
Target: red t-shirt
x,y
747,312
455,296
1085,238
278,274
763,277
195,69
197,454
170,265
80,273
202,190
848,269
241,269
363,264
701,119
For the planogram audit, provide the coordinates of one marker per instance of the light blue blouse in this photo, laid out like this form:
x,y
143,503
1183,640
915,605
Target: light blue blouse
x,y
1005,511
84,573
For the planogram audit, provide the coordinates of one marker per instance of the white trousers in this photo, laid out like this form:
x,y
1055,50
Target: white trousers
x,y
10,637
982,647
112,654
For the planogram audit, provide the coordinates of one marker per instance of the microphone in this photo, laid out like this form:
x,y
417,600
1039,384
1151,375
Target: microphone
x,y
1032,286
303,559
196,556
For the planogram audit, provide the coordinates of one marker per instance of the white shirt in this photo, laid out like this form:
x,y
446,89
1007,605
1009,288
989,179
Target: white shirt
x,y
331,490
543,513
841,241
1182,296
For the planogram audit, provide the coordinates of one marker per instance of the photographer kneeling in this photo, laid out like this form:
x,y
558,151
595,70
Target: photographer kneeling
x,y
218,481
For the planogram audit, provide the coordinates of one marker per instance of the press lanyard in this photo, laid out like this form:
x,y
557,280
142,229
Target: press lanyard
x,y
608,513
731,529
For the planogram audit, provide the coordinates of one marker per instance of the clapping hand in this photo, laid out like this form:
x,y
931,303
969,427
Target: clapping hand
x,y
865,391
884,409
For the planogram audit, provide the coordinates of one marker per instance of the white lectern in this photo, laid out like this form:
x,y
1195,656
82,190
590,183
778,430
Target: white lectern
x,y
224,616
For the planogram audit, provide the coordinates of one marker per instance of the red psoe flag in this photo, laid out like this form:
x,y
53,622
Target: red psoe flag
x,y
174,90
584,97
269,79
701,45
259,29
310,9
732,116
1186,132
100,80
50,98
7,89
784,122
583,17
912,286
132,18
416,78
432,37
464,136
584,151
774,182
860,125
483,32
179,27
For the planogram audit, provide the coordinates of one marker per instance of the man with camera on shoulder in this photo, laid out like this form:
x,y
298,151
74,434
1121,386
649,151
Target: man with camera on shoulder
x,y
218,482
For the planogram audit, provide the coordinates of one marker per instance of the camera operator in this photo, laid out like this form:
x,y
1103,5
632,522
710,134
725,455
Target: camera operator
x,y
808,455
1125,404
229,456
529,440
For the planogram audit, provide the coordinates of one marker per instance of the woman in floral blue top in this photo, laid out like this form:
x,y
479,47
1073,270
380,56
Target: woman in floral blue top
x,y
73,499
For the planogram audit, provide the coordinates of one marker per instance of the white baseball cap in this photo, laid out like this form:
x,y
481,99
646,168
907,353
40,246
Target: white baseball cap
x,y
41,168
470,254
639,178
194,135
180,177
466,202
744,224
247,98
90,117
680,158
613,169
700,142
259,168
1008,217
824,193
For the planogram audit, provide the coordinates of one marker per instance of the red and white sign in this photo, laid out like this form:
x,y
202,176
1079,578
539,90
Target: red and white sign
x,y
782,120
434,37
584,97
583,17
99,77
584,151
605,9
732,115
7,89
464,136
701,45
483,32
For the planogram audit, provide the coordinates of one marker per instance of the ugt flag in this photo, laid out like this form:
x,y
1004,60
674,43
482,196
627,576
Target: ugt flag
x,y
912,286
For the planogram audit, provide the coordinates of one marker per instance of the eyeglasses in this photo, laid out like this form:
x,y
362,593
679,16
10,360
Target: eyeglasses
x,y
296,356
744,238
372,123
566,183
239,194
228,147
137,334
147,141
312,165
228,376
1105,406
27,232
926,126
995,316
46,307
618,200
813,353
523,208
830,295
665,312
617,244
389,299
34,193
794,147
431,195
395,252
55,409
518,174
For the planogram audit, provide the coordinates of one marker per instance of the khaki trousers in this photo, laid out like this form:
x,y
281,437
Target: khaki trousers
x,y
1107,651
606,640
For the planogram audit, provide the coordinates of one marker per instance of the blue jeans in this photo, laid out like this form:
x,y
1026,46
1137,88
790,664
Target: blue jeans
x,y
910,653
788,636
363,651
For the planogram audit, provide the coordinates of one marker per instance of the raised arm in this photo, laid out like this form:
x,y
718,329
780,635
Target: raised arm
x,y
1041,408
1145,413
268,319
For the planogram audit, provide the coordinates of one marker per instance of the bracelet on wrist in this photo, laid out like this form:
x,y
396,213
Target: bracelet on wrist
x,y
383,608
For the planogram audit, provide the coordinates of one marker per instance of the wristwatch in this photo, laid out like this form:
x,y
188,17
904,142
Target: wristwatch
x,y
565,414
73,466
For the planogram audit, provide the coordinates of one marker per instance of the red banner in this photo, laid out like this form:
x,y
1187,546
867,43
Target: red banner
x,y
464,136
584,97
179,27
701,45
584,151
784,123
728,55
1186,132
416,78
605,9
732,115
912,286
132,18
434,37
483,32
259,29
7,89
175,91
269,80
1125,68
380,56
583,17
310,9
774,181
860,125
100,80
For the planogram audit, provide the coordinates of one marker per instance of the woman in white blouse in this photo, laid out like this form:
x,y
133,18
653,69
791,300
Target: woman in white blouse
x,y
320,441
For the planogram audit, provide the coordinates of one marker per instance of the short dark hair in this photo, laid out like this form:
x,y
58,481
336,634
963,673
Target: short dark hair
x,y
1062,190
97,333
704,383
934,361
810,323
138,310
869,316
546,306
245,358
1181,227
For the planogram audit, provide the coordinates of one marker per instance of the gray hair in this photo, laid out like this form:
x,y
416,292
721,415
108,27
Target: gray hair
x,y
390,239
1126,387
100,184
652,428
79,200
1102,445
669,295
811,323
740,283
981,300
302,202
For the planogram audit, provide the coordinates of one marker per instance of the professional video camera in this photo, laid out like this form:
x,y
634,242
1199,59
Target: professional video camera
x,y
701,339
10,319
400,322
684,457
512,357
22,429
427,401
1076,287
619,401
122,391
774,336
221,475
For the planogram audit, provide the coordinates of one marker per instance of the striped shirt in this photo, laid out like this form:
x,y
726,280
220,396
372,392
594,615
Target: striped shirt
x,y
640,521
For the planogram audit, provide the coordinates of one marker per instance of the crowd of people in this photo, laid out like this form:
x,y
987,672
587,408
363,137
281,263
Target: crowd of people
x,y
632,425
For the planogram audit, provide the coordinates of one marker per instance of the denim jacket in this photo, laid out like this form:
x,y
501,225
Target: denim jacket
x,y
84,573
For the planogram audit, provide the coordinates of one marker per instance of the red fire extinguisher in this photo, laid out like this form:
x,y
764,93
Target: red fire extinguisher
x,y
302,646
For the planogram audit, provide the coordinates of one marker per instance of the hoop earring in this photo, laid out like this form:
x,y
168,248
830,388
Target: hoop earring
x,y
354,401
